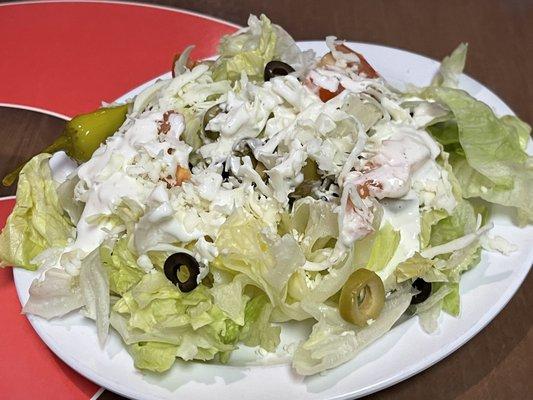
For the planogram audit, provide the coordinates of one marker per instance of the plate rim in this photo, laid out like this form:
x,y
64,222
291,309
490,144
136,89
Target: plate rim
x,y
417,367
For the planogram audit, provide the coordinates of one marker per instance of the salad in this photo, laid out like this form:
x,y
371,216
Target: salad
x,y
266,186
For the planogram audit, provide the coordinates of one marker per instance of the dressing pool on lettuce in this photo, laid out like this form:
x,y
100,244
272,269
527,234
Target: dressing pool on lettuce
x,y
266,186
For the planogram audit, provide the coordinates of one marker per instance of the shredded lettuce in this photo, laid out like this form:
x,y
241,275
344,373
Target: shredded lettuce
x,y
38,221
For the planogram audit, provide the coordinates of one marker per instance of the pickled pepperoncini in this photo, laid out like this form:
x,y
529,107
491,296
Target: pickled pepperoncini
x,y
82,135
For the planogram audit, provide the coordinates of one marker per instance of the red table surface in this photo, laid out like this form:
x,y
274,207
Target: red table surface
x,y
65,58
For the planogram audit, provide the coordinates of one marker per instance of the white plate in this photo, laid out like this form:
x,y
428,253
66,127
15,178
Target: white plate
x,y
403,352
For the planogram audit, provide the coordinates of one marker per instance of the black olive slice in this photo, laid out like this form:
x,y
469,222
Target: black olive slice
x,y
424,288
277,68
182,270
225,172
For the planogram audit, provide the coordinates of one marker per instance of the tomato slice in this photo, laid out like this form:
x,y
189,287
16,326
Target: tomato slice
x,y
364,66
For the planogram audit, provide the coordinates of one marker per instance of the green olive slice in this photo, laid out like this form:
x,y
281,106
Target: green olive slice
x,y
362,297
310,170
208,116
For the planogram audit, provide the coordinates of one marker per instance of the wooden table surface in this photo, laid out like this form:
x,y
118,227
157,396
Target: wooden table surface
x,y
497,363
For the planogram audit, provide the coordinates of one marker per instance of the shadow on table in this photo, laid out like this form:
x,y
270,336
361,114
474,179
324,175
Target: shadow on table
x,y
23,133
457,374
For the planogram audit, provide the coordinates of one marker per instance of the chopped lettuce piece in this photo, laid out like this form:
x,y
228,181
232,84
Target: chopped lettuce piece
x,y
67,199
244,249
414,267
451,303
38,221
317,223
333,341
429,318
444,296
267,261
55,295
427,221
446,133
451,68
257,329
384,247
121,265
229,297
94,287
462,221
153,356
155,311
251,48
246,51
517,128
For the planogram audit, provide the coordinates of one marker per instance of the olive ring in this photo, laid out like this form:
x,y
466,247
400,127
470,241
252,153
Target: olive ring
x,y
424,288
276,68
362,297
182,270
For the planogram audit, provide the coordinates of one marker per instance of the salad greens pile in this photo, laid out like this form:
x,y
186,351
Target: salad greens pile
x,y
266,186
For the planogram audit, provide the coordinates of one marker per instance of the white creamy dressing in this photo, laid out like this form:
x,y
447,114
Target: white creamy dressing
x,y
62,166
124,168
284,124
404,216
389,173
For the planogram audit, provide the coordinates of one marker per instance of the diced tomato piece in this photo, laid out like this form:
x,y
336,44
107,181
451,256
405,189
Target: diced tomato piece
x,y
190,63
326,95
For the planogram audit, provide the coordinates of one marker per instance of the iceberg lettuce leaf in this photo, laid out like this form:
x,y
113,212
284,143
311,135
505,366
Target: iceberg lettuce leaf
x,y
54,296
489,161
155,310
94,288
37,221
